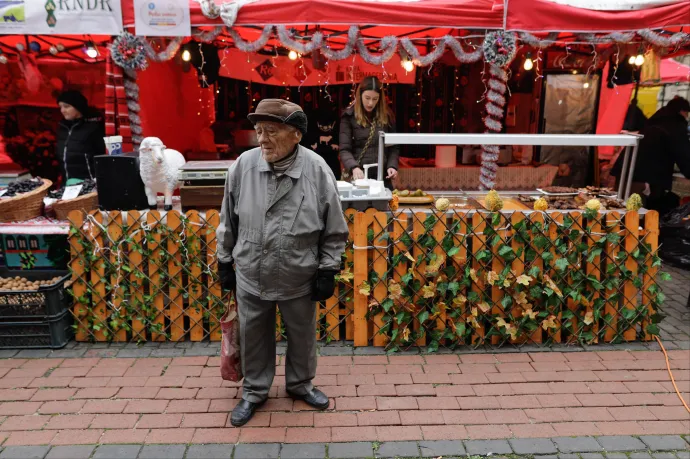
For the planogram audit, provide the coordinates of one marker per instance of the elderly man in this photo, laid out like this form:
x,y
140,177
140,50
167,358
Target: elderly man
x,y
282,225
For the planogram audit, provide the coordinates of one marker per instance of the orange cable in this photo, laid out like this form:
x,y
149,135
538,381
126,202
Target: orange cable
x,y
670,373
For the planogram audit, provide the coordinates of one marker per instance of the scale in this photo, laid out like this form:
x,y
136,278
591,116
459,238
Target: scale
x,y
203,184
364,193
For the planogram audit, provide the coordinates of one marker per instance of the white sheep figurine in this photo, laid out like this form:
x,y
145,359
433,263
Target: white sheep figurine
x,y
159,169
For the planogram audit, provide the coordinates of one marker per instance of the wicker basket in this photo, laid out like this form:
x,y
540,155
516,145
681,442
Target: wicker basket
x,y
85,202
24,206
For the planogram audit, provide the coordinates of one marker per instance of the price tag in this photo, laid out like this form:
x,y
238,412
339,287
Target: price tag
x,y
71,192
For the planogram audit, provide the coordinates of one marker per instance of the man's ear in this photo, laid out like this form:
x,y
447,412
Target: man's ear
x,y
298,134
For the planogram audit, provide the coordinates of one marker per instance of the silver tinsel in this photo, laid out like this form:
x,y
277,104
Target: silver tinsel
x,y
253,46
352,34
389,45
286,40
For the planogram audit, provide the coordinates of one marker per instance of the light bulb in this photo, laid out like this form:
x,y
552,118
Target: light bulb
x,y
408,66
574,72
92,52
639,60
186,55
631,61
586,85
528,65
292,55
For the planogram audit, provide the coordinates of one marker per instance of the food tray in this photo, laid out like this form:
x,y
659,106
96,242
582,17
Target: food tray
x,y
54,332
574,193
24,206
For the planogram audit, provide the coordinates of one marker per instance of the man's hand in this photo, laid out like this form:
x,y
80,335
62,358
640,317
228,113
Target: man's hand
x,y
357,173
392,173
226,272
324,285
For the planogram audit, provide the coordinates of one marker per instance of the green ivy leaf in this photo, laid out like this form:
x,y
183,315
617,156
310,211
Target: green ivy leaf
x,y
664,276
506,301
387,304
652,329
454,287
399,317
540,242
561,264
547,256
506,252
406,278
567,314
453,251
423,317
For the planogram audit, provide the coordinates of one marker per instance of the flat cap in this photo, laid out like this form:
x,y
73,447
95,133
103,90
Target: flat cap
x,y
280,111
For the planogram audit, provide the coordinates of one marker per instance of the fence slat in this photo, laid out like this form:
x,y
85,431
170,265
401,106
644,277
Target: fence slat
x,y
518,266
459,260
136,278
573,325
418,231
439,232
117,277
593,270
153,220
478,244
194,280
399,222
98,279
539,218
611,307
497,265
214,288
348,304
175,309
556,221
380,267
632,225
651,225
360,276
80,274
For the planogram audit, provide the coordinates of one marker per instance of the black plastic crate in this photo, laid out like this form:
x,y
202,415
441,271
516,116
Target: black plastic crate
x,y
54,332
42,303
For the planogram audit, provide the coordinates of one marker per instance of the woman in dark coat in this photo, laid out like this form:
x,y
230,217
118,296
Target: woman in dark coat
x,y
79,138
359,132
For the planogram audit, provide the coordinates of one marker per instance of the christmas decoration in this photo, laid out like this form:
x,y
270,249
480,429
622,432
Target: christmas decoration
x,y
227,11
53,50
389,45
168,53
35,46
251,47
346,52
285,37
495,103
127,51
499,48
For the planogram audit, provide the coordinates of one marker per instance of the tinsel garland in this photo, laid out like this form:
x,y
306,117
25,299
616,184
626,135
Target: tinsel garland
x,y
128,52
251,46
207,36
389,45
460,54
495,103
132,94
168,53
677,39
499,48
285,37
352,34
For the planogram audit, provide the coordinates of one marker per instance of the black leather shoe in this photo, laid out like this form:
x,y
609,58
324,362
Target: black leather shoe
x,y
243,412
314,398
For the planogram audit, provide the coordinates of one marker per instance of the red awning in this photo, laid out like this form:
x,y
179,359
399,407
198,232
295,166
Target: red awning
x,y
674,72
550,16
456,14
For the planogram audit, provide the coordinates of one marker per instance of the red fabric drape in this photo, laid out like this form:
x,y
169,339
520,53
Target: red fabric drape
x,y
116,111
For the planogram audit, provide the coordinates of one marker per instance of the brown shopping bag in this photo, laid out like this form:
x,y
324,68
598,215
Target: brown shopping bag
x,y
230,357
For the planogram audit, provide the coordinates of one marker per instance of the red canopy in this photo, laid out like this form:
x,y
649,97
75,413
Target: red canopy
x,y
674,72
465,14
549,16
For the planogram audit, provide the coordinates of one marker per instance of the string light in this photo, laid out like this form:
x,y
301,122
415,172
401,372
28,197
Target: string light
x,y
639,60
293,55
528,65
186,55
455,99
408,65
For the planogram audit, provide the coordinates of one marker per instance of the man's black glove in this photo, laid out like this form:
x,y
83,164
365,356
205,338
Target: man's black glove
x,y
226,272
324,285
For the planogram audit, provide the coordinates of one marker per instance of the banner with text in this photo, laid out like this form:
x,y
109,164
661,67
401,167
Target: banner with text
x,y
68,17
309,71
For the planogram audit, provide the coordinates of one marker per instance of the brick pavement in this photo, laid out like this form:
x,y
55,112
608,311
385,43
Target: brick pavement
x,y
380,398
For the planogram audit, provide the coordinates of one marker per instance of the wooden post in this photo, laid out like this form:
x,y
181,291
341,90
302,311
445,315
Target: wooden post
x,y
214,288
98,279
118,276
632,229
556,220
153,220
439,233
418,231
541,218
518,266
460,224
136,280
399,223
194,309
360,276
573,306
348,301
651,225
175,309
611,307
80,273
380,267
478,241
593,270
497,265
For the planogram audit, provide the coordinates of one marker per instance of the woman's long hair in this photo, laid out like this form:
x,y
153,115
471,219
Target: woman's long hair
x,y
382,114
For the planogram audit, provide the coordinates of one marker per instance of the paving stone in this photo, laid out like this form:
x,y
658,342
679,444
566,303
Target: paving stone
x,y
577,444
568,456
621,443
33,354
548,456
162,451
398,449
24,452
167,353
134,353
533,446
71,452
67,354
664,456
350,450
257,451
335,350
441,448
485,447
683,454
591,456
663,442
620,456
640,455
184,345
303,451
202,352
209,452
116,451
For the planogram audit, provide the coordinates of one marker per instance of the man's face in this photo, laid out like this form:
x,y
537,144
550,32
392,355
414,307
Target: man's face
x,y
276,140
68,112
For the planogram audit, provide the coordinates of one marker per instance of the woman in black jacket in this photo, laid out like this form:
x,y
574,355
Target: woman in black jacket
x,y
359,132
80,137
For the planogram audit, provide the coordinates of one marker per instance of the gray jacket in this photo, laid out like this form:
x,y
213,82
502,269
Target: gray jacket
x,y
280,230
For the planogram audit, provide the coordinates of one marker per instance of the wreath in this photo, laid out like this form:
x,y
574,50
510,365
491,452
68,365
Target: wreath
x,y
128,52
499,48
